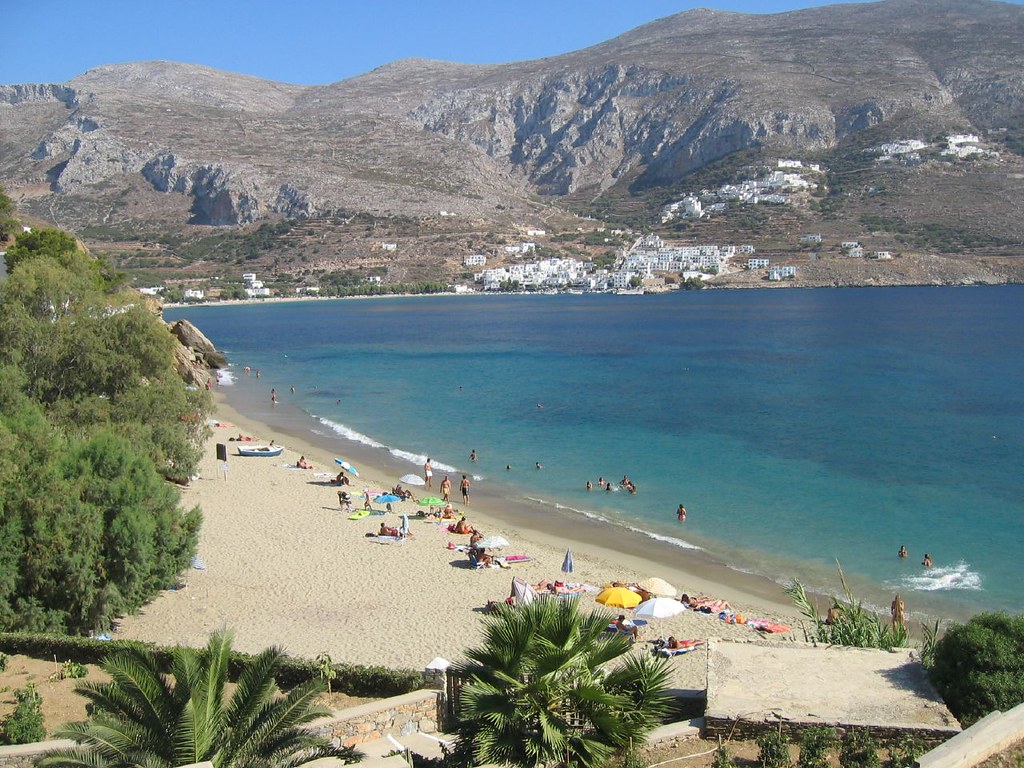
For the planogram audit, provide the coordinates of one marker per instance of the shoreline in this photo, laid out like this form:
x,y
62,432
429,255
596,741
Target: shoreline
x,y
283,566
602,539
709,285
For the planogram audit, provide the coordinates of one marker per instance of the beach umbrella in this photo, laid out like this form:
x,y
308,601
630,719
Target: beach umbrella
x,y
412,480
405,527
492,542
430,501
386,498
567,565
657,587
345,465
659,608
619,597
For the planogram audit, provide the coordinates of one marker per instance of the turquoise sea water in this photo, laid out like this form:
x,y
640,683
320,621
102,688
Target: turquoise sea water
x,y
798,427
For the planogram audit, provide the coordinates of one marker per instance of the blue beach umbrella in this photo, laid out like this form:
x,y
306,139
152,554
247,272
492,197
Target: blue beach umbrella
x,y
386,498
345,465
567,564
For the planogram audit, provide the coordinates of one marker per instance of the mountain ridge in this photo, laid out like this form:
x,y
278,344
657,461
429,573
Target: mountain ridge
x,y
170,144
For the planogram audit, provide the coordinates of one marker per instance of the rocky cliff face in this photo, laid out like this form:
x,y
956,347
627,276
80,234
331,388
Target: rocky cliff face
x,y
416,137
194,354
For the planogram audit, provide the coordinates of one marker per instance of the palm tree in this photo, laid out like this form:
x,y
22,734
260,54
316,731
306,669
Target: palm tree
x,y
144,717
542,690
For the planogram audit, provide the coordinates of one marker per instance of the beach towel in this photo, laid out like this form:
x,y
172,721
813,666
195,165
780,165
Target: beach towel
x,y
385,539
685,646
359,514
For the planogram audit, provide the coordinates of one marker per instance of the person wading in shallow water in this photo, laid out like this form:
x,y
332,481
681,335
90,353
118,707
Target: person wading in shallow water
x,y
681,514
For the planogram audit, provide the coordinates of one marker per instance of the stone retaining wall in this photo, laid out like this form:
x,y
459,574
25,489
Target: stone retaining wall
x,y
749,730
24,755
398,716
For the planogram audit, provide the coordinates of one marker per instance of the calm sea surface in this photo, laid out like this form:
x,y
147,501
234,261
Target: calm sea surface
x,y
799,427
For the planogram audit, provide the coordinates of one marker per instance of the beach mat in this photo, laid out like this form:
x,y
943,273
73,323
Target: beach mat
x,y
360,514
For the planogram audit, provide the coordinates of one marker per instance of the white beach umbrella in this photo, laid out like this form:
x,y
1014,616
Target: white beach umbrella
x,y
412,480
658,608
492,542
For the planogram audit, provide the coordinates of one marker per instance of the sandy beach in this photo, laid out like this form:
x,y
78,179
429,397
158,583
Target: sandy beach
x,y
281,565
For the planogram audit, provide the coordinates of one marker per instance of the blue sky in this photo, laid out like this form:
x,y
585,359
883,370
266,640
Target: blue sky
x,y
316,41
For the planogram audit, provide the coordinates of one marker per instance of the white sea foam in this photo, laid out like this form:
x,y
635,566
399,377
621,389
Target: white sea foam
x,y
419,459
667,539
602,518
348,433
959,576
225,377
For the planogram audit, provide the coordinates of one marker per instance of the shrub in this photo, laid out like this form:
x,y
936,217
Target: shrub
x,y
3,661
978,667
856,626
859,749
722,758
773,749
905,751
69,670
25,724
814,746
352,679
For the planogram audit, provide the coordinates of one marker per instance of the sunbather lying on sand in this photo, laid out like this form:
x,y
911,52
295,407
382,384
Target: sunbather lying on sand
x,y
303,464
558,588
705,604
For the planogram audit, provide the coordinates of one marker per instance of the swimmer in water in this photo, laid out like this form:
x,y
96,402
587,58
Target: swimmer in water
x,y
927,562
681,514
903,552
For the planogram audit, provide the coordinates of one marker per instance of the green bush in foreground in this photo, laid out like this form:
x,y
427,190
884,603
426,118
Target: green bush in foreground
x,y
25,724
978,667
815,744
905,751
773,750
859,749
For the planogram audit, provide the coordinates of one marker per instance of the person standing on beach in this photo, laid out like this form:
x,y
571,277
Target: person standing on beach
x,y
681,514
898,611
428,474
446,488
464,487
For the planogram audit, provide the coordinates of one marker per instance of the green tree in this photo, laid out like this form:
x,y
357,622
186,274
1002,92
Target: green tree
x,y
51,243
145,717
544,689
8,222
978,667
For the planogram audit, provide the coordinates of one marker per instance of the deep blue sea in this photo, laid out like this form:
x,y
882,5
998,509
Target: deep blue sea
x,y
798,427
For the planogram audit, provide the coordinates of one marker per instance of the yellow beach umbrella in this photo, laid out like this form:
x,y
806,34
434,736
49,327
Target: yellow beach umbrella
x,y
619,597
657,587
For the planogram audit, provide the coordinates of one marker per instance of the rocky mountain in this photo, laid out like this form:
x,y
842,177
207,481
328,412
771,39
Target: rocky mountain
x,y
133,144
